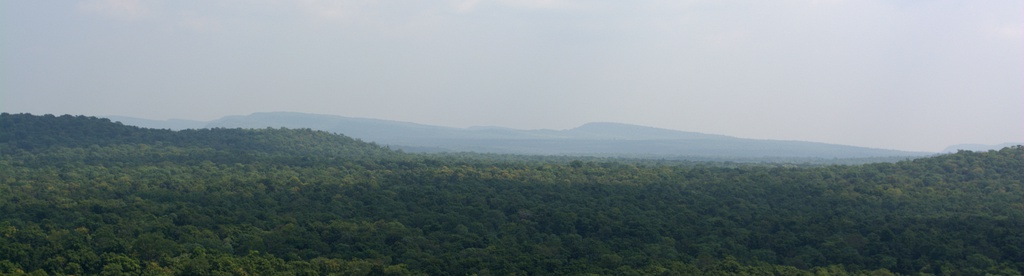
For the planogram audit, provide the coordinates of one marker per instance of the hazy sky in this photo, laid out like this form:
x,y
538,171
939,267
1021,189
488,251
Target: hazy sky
x,y
910,75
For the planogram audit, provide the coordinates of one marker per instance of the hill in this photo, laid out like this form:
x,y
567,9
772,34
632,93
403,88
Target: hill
x,y
86,196
26,132
593,139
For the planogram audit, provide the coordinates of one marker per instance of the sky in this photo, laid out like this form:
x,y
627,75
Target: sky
x,y
907,75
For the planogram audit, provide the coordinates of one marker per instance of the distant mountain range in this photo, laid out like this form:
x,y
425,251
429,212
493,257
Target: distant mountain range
x,y
592,139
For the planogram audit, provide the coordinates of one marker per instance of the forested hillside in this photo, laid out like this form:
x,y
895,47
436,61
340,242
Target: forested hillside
x,y
81,195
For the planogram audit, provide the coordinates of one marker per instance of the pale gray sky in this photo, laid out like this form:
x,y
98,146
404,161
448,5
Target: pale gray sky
x,y
909,75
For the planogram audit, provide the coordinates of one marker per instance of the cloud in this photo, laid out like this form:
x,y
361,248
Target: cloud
x,y
117,9
825,2
198,23
333,10
1013,32
538,4
729,40
464,6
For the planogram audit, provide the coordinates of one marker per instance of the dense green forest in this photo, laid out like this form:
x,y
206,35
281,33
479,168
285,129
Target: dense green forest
x,y
82,195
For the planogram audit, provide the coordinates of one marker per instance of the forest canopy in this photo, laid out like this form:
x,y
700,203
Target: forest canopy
x,y
84,195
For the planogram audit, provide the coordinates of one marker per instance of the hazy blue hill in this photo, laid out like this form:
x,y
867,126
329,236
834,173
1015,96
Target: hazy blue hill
x,y
670,148
604,130
598,139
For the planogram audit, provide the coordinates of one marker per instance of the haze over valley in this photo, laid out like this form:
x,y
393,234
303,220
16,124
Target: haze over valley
x,y
591,139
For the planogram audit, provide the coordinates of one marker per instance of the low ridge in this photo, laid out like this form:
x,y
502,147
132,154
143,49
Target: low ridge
x,y
592,139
